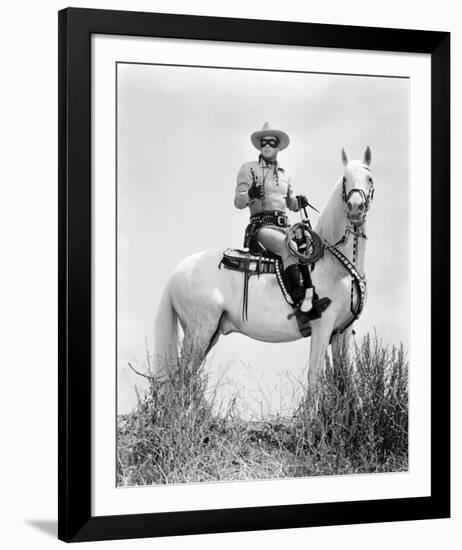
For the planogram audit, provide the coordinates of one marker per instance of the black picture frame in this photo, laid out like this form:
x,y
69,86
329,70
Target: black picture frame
x,y
76,26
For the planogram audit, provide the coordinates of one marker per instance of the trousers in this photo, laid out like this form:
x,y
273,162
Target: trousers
x,y
274,239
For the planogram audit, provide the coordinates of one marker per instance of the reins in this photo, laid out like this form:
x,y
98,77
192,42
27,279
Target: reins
x,y
351,230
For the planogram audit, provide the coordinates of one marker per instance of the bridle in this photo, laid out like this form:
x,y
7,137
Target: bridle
x,y
365,199
353,227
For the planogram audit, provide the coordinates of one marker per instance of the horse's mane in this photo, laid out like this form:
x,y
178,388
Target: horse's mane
x,y
332,220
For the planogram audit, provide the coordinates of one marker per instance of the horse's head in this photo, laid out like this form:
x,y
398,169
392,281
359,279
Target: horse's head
x,y
357,187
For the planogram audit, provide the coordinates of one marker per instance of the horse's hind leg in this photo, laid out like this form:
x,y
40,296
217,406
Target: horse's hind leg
x,y
199,338
215,336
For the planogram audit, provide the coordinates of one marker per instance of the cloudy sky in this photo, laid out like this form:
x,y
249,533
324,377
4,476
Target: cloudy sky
x,y
184,132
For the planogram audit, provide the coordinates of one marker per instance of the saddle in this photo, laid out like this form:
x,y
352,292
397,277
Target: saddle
x,y
306,247
257,261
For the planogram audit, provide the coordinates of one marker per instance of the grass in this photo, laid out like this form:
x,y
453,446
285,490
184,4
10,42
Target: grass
x,y
359,425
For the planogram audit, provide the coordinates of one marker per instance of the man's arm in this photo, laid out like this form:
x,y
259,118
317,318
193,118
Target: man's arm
x,y
244,182
291,199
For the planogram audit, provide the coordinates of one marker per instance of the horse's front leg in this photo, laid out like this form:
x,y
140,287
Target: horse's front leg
x,y
320,337
341,347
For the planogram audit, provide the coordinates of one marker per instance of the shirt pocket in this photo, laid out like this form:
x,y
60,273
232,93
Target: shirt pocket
x,y
283,181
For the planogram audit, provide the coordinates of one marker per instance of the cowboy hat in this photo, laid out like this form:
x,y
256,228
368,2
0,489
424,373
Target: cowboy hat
x,y
268,131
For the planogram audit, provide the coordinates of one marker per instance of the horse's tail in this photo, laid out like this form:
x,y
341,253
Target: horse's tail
x,y
166,337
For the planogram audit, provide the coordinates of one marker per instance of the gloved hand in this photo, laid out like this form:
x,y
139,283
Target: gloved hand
x,y
255,191
302,201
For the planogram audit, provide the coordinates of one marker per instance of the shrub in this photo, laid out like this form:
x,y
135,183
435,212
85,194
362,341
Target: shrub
x,y
360,420
358,424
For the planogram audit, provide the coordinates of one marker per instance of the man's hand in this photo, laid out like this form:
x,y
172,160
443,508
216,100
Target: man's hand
x,y
302,201
255,191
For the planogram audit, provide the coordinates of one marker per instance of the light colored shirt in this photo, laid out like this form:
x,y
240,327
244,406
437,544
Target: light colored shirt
x,y
275,181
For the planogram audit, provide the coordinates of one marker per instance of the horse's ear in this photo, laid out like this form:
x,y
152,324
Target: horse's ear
x,y
367,156
344,157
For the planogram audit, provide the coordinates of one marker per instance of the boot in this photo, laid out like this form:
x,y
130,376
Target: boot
x,y
295,284
319,306
299,278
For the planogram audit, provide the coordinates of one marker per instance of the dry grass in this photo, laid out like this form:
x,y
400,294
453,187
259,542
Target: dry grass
x,y
359,426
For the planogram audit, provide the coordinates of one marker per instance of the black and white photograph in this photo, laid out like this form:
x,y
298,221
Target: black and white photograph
x,y
230,307
262,274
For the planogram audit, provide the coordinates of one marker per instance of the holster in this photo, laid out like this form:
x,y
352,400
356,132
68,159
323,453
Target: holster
x,y
250,237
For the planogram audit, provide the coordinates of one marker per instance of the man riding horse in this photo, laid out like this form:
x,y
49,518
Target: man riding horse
x,y
265,187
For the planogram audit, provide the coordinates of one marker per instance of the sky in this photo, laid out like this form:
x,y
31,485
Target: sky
x,y
183,133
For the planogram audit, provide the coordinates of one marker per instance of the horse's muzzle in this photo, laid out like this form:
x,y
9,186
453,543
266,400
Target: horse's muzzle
x,y
357,219
356,211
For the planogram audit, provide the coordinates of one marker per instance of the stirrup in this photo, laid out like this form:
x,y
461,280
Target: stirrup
x,y
303,322
319,307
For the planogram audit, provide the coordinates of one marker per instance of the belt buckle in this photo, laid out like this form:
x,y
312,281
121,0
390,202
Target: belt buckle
x,y
281,220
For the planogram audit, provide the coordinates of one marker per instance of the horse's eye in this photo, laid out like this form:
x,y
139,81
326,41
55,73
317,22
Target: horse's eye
x,y
370,181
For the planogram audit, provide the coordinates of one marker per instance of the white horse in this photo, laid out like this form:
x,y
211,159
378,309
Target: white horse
x,y
207,301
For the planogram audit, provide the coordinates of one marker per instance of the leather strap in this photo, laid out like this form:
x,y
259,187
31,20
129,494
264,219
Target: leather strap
x,y
359,282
